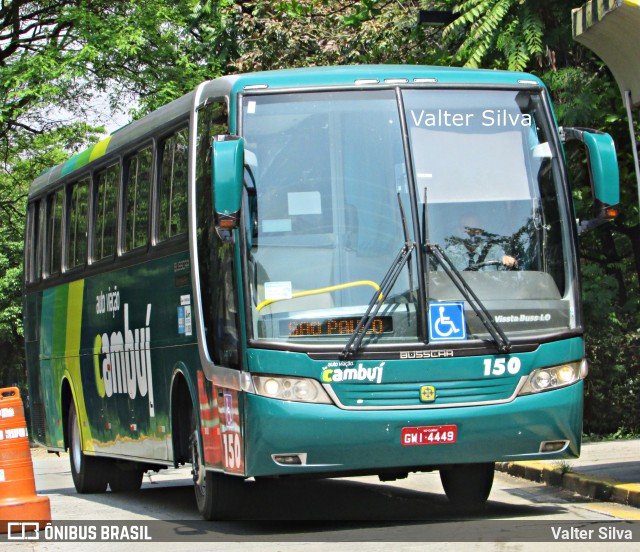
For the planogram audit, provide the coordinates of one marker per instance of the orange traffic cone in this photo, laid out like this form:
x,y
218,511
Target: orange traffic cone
x,y
18,499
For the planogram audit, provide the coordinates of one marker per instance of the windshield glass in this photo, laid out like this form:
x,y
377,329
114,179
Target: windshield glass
x,y
324,223
326,180
485,164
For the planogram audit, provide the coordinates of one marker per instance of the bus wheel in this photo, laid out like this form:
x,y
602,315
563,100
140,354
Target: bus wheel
x,y
467,486
125,478
218,495
90,474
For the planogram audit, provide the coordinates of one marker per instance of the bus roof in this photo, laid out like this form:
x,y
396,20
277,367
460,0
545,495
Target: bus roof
x,y
357,76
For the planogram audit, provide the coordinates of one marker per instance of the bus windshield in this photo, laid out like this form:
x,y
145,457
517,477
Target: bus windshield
x,y
334,192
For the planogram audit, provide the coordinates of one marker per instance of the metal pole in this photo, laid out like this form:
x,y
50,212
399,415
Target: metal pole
x,y
634,144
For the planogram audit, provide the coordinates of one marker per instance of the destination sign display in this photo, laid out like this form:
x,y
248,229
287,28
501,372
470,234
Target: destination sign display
x,y
304,327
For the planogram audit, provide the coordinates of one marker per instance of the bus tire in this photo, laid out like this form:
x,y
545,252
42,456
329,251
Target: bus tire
x,y
467,486
125,478
90,474
218,496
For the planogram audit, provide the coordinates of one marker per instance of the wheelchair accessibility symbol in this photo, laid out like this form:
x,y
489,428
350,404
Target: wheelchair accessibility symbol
x,y
446,321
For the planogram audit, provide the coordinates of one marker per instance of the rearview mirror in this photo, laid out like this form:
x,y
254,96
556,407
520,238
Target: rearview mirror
x,y
603,174
228,168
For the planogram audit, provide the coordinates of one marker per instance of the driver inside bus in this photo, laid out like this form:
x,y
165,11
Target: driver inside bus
x,y
477,249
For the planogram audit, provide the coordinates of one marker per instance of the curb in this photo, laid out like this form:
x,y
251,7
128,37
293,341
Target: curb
x,y
597,488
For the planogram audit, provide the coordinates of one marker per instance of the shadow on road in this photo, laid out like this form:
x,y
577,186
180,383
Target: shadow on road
x,y
312,509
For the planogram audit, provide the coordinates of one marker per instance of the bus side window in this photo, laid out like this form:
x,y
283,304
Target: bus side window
x,y
215,257
77,220
31,241
40,243
105,212
172,185
137,186
54,233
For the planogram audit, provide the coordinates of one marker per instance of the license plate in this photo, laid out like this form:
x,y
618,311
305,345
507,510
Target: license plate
x,y
429,435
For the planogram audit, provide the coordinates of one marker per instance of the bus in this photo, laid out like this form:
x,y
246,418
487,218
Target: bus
x,y
262,279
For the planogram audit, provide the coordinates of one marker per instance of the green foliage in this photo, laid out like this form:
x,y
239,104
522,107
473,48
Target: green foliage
x,y
322,32
620,433
508,34
613,386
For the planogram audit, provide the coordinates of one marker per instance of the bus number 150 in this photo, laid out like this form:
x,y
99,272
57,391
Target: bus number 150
x,y
498,366
232,457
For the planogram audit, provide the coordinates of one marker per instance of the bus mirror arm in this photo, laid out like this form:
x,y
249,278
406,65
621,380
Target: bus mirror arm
x,y
587,225
603,173
228,171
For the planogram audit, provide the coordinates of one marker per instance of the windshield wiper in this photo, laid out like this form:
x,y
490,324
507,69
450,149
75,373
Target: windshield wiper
x,y
377,299
499,337
389,280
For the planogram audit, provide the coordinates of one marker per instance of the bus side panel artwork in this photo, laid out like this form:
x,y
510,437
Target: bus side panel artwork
x,y
107,336
62,320
52,356
134,334
59,314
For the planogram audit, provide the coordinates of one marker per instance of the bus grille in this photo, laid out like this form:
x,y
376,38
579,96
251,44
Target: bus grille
x,y
374,396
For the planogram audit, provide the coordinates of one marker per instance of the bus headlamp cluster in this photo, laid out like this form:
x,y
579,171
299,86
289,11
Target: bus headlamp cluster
x,y
291,389
554,377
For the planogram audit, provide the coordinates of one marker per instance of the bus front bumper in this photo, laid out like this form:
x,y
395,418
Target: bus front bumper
x,y
328,441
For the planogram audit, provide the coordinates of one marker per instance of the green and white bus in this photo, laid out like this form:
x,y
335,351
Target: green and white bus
x,y
262,279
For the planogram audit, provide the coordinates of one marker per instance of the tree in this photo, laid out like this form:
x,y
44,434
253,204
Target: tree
x,y
56,53
274,35
510,34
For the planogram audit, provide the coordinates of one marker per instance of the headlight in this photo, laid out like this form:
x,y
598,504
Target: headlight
x,y
545,379
291,389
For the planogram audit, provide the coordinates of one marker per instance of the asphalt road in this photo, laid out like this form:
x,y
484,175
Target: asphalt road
x,y
344,514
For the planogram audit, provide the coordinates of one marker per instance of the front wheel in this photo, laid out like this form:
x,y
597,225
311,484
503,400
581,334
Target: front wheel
x,y
218,495
90,474
467,486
